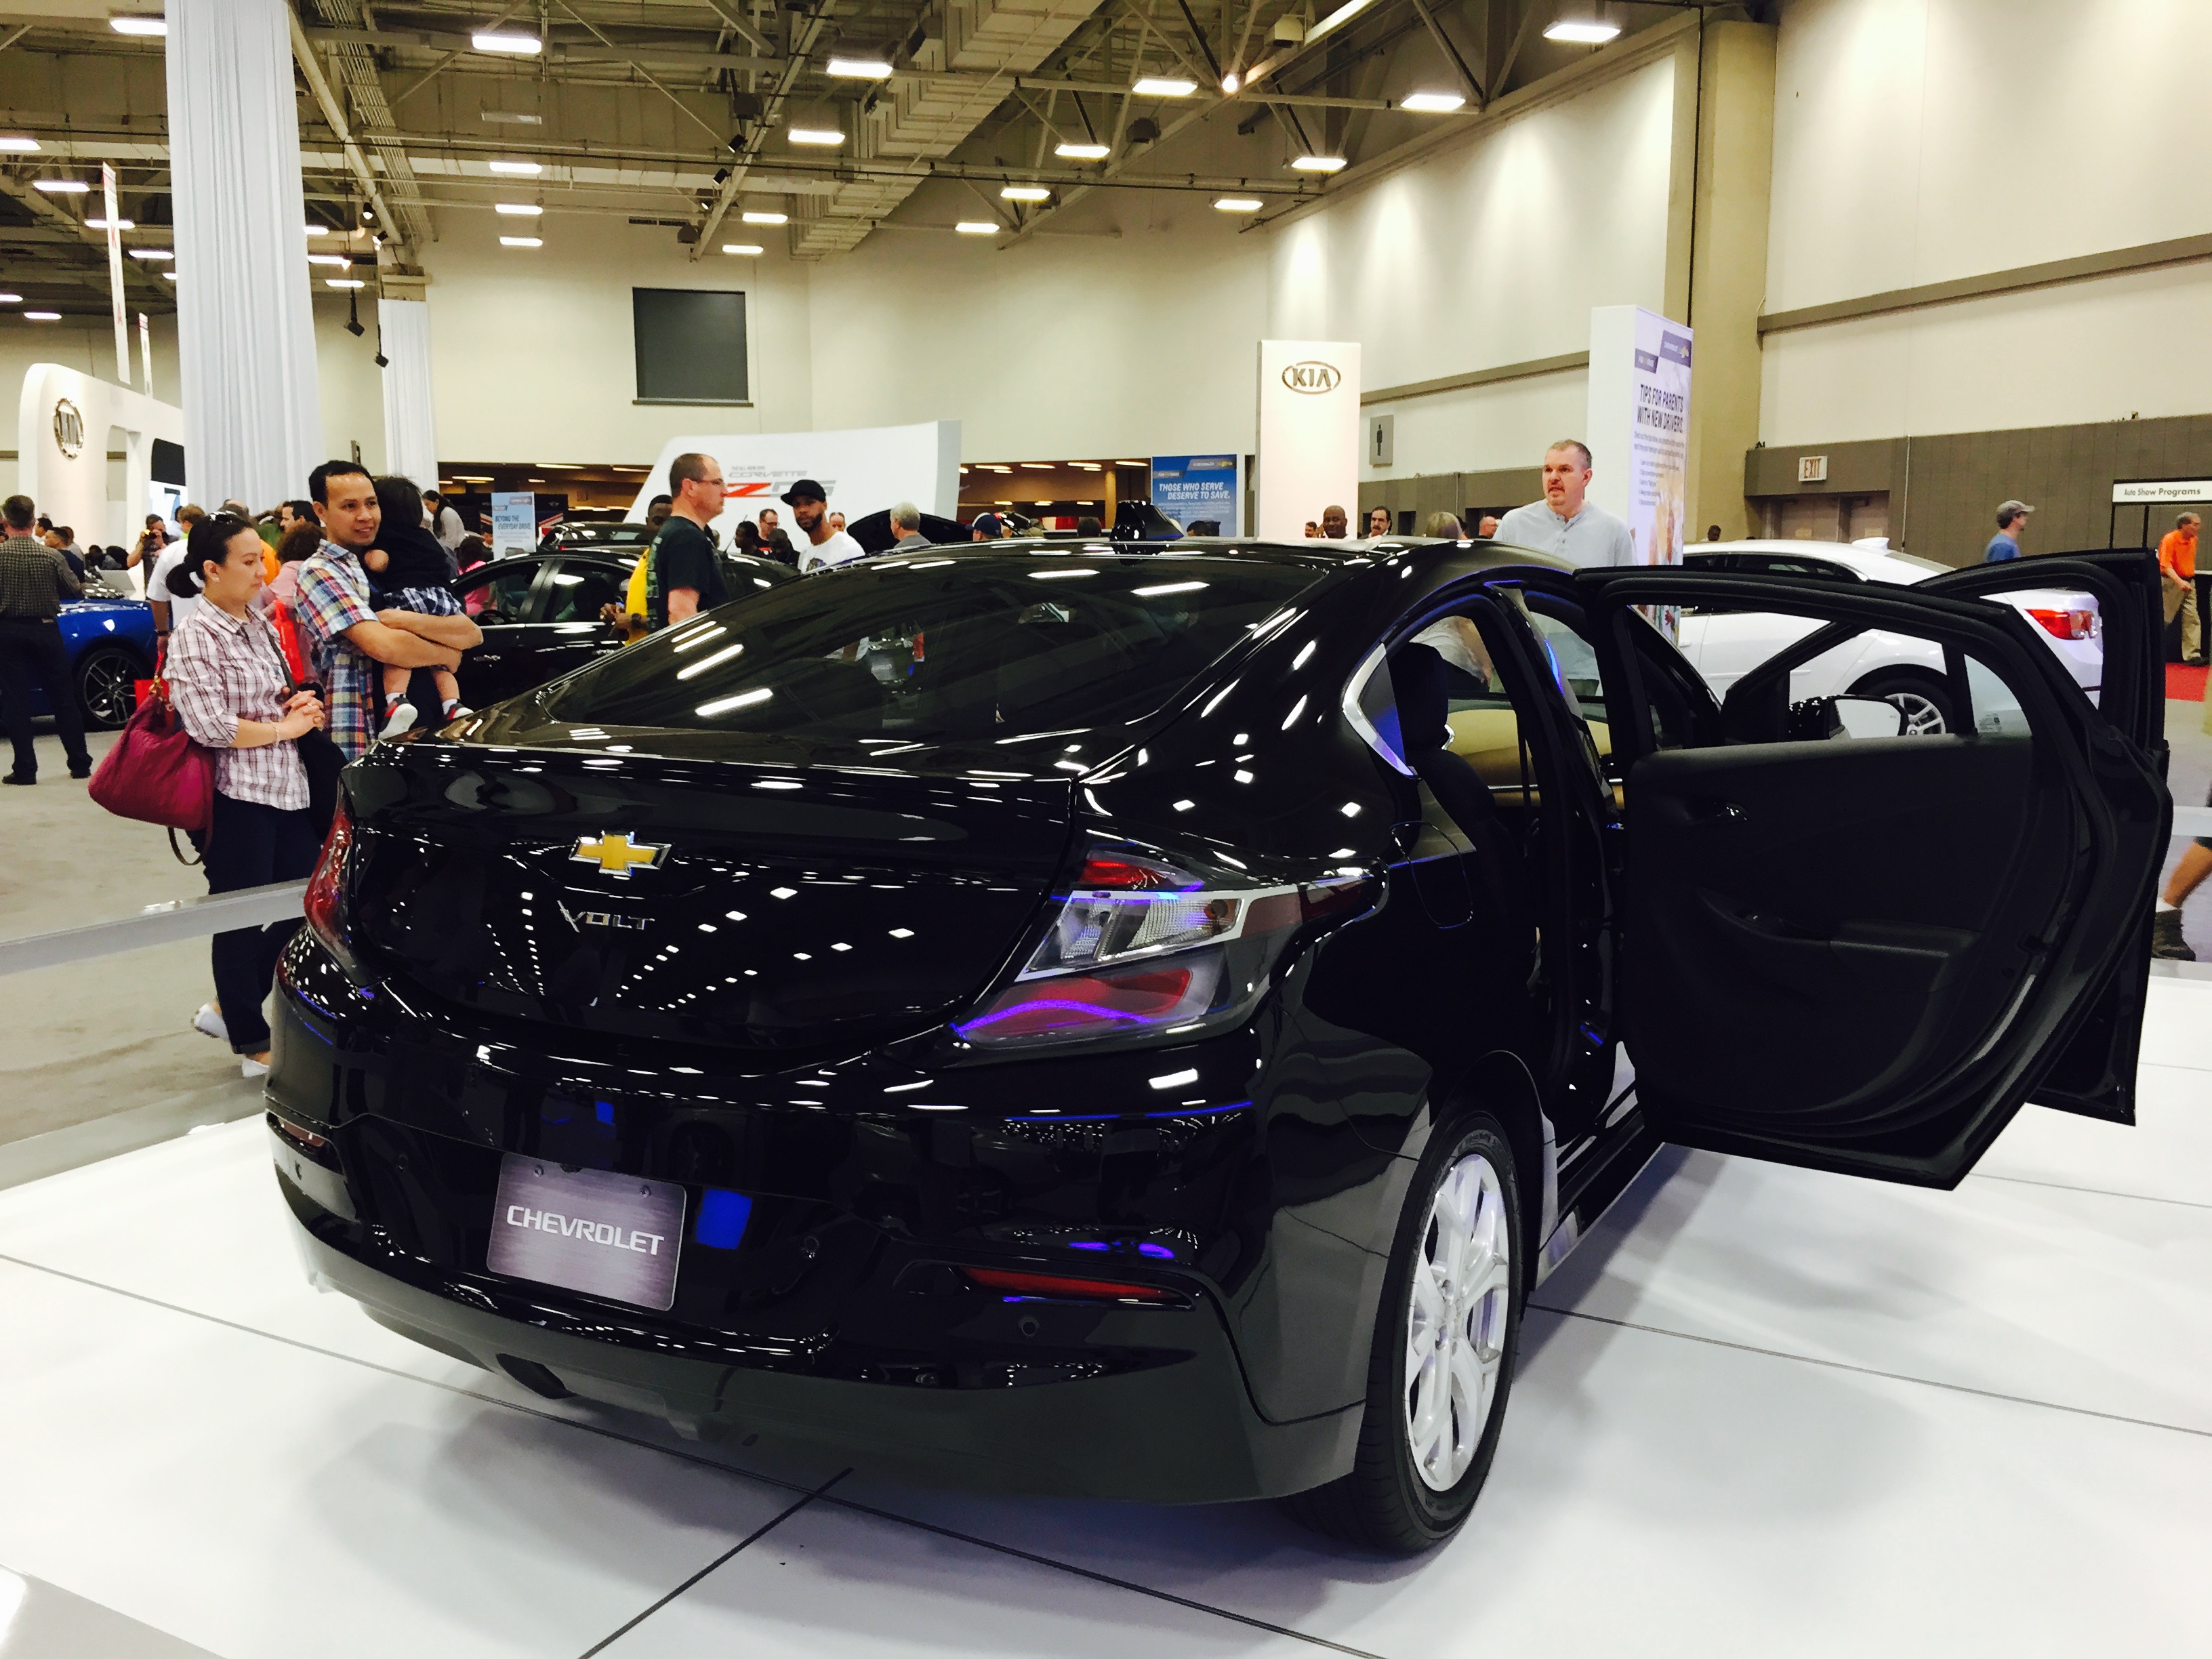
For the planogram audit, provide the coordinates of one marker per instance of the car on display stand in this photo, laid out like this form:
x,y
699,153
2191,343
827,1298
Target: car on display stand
x,y
109,639
1907,671
1137,1020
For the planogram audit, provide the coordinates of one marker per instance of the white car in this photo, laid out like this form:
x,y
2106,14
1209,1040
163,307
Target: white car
x,y
1898,667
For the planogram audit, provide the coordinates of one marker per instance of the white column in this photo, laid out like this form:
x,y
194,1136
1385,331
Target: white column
x,y
411,431
246,328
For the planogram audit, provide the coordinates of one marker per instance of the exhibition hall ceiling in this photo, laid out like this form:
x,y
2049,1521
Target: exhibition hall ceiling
x,y
751,129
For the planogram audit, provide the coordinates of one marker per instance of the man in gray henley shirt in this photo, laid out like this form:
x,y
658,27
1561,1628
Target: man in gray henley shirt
x,y
1563,523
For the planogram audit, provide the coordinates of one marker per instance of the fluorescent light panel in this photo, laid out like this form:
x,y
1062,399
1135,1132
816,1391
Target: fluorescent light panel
x,y
1082,152
61,186
1237,204
522,241
1582,31
10,299
519,169
312,259
824,136
518,210
1318,164
1431,103
858,69
1337,19
131,23
121,224
1026,193
761,218
19,143
42,316
344,282
977,228
1168,86
748,248
168,254
520,46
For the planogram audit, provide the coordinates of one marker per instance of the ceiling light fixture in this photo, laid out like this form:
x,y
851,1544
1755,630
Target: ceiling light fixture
x,y
1025,193
10,299
1233,84
824,136
858,69
61,186
1082,152
42,316
759,218
519,169
1337,19
1146,465
1583,31
103,224
156,253
1431,103
344,282
522,241
18,142
168,276
1318,164
132,24
1167,86
519,45
747,248
317,259
1237,204
977,228
315,229
518,210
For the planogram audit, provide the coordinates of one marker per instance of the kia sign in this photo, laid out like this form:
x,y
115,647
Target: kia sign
x,y
1312,379
1309,437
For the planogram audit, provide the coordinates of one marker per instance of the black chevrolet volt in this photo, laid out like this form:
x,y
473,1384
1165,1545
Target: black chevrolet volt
x,y
1137,1020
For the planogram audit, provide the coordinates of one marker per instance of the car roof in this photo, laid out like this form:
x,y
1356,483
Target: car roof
x,y
1872,557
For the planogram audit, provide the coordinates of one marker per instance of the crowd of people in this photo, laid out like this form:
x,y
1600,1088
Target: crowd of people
x,y
1565,522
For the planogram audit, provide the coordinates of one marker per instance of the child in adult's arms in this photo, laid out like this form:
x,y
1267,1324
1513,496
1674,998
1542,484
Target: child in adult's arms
x,y
408,571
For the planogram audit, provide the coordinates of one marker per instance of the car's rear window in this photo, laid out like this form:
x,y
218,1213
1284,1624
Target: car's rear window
x,y
942,649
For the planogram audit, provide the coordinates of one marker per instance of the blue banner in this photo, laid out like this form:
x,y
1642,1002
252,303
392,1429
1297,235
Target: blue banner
x,y
1194,489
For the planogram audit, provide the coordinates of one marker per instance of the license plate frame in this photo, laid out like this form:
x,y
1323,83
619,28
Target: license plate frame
x,y
615,1237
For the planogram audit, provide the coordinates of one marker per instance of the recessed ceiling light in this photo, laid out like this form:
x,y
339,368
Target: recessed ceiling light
x,y
1431,103
158,254
42,316
1318,164
977,228
521,45
1164,86
318,259
859,69
520,169
522,241
825,136
315,229
121,224
1026,193
19,143
10,299
1082,152
760,218
1142,464
344,282
61,186
518,210
168,276
1337,19
128,23
1237,204
1582,31
741,248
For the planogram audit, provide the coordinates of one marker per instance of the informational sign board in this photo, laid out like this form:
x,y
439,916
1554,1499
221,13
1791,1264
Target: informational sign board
x,y
864,469
2136,492
514,521
1310,433
1638,426
1200,489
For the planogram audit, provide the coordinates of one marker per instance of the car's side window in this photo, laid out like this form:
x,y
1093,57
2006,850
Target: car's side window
x,y
497,596
579,591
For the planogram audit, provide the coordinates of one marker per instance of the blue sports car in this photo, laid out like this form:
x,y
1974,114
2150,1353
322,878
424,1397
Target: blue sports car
x,y
110,642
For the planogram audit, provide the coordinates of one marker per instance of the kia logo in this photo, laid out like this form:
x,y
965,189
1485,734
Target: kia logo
x,y
69,429
1312,378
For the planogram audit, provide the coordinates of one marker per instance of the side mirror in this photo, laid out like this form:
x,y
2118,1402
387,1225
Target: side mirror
x,y
1819,719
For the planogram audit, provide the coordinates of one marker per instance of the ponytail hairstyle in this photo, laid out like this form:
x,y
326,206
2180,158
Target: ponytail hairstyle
x,y
209,544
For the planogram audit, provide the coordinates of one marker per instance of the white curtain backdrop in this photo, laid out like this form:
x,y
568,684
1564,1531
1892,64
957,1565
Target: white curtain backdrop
x,y
246,330
410,433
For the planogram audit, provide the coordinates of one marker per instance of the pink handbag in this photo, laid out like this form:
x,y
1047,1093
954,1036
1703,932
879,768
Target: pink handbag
x,y
155,773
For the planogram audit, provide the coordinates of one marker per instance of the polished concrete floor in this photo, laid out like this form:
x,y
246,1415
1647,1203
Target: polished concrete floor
x,y
1760,1412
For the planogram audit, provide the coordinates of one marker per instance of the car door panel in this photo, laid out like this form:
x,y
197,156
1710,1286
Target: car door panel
x,y
1865,956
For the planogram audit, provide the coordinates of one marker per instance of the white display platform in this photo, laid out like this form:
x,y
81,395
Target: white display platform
x,y
1763,1411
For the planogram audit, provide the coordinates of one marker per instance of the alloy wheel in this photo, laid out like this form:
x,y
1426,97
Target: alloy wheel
x,y
1456,1322
109,692
1923,718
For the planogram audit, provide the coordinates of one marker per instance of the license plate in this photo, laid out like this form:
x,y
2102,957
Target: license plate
x,y
606,1235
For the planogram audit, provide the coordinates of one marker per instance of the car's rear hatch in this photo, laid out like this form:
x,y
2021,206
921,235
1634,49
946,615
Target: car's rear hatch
x,y
790,911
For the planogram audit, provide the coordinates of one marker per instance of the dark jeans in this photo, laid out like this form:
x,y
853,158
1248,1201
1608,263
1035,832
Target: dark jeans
x,y
34,650
250,845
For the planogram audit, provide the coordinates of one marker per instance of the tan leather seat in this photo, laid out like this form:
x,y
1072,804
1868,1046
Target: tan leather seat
x,y
1489,740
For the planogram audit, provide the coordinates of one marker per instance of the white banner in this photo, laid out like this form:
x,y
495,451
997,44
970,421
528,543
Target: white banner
x,y
1638,426
1310,434
865,469
115,273
2135,491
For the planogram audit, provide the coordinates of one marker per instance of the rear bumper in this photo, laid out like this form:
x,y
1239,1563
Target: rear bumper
x,y
1186,1432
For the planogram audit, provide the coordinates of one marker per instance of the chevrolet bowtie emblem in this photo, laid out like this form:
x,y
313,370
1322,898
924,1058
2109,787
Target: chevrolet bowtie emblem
x,y
616,853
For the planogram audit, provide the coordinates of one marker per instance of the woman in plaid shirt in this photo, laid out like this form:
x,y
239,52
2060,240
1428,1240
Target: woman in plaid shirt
x,y
230,687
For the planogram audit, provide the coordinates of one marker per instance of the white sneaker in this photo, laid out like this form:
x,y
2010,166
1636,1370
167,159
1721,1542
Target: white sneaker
x,y
402,720
252,1067
208,1023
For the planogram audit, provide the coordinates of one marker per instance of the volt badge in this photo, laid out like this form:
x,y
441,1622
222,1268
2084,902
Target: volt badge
x,y
616,854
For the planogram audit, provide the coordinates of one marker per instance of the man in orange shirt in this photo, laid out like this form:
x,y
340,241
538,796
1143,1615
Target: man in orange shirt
x,y
2177,563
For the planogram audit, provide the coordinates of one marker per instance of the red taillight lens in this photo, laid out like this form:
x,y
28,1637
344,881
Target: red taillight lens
x,y
1058,1287
1095,1003
325,904
2074,624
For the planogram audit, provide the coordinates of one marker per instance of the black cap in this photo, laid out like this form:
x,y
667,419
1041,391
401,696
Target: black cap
x,y
807,489
987,522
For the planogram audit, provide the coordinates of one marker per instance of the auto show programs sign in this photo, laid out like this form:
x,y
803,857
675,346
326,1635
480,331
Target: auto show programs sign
x,y
1191,487
865,468
1638,426
1309,438
515,522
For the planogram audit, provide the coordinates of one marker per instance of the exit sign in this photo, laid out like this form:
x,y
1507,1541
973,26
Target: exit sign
x,y
1812,469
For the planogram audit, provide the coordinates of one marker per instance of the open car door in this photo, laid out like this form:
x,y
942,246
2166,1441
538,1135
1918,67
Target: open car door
x,y
1855,950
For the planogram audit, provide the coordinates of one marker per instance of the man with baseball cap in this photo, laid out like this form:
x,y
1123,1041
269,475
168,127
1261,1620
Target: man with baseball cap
x,y
809,510
2012,521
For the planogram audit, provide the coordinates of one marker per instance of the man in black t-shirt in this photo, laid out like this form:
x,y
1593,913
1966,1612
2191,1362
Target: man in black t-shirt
x,y
685,577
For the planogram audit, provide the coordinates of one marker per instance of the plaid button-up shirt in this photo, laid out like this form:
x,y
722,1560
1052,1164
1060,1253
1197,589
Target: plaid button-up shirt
x,y
333,596
34,580
222,669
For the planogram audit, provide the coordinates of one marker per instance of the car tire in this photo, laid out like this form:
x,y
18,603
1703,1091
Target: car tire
x,y
1925,699
106,689
1449,1327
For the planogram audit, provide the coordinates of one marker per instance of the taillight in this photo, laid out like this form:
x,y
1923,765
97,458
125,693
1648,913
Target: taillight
x,y
2073,624
1140,945
1059,1287
325,904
